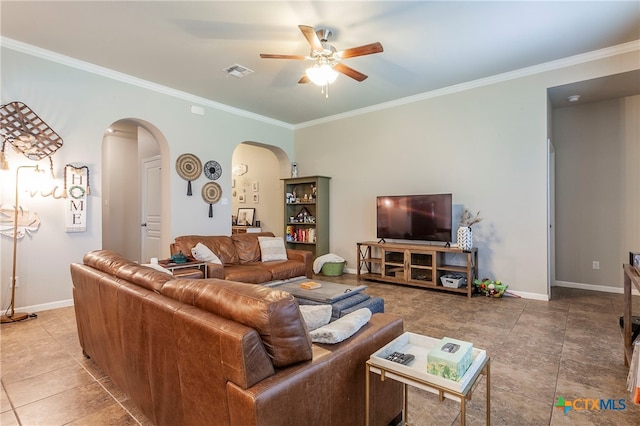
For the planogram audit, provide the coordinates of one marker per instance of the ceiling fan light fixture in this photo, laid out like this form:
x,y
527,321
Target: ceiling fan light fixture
x,y
322,75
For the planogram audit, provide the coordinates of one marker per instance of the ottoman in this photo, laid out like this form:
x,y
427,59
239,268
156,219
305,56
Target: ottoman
x,y
349,304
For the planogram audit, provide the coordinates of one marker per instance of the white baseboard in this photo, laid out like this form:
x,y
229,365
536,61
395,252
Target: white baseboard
x,y
593,287
522,294
46,306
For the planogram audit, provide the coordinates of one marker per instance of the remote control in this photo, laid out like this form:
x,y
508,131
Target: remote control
x,y
400,358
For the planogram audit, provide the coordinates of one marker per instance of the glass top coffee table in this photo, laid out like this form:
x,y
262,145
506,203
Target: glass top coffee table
x,y
415,373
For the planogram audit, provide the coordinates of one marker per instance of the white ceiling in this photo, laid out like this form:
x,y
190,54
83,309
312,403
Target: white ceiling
x,y
428,45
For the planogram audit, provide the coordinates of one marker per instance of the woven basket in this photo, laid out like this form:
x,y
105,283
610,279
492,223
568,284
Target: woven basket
x,y
333,269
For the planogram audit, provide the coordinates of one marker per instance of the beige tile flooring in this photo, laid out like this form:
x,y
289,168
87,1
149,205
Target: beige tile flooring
x,y
569,347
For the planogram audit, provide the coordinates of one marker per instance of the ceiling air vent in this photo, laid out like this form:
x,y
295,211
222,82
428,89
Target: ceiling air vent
x,y
237,71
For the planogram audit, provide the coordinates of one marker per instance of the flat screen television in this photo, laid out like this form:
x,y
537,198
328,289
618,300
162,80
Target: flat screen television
x,y
414,217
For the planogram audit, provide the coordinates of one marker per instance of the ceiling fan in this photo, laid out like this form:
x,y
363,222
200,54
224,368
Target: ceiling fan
x,y
327,60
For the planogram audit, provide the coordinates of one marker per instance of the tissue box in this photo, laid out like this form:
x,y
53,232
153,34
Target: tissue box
x,y
450,358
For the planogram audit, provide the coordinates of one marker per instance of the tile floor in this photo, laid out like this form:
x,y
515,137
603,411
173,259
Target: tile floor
x,y
569,347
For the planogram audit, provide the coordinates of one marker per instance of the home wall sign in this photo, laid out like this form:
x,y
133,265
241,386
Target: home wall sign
x,y
76,189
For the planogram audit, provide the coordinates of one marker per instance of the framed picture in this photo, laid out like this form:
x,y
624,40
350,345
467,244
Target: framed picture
x,y
256,198
255,186
245,216
241,198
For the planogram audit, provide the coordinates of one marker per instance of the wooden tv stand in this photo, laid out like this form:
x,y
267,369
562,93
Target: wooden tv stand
x,y
419,265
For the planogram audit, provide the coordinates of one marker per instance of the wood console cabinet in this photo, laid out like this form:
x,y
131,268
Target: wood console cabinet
x,y
417,265
306,214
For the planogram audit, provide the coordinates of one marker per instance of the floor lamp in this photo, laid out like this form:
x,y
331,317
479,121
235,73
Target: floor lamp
x,y
10,315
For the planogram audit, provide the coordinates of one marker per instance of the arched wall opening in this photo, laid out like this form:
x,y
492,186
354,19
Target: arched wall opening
x,y
127,145
256,183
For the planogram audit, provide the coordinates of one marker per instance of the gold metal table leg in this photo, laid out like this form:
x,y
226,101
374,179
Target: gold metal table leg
x,y
488,370
405,413
366,395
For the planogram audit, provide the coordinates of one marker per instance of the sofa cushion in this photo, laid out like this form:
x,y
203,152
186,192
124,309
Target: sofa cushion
x,y
248,247
204,254
110,262
342,328
272,248
284,269
247,273
221,245
274,314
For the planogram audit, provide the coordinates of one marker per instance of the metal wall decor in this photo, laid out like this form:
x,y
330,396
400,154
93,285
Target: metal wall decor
x,y
27,132
189,168
211,193
212,170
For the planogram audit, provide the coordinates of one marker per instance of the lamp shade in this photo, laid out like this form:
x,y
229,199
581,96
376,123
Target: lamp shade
x,y
322,75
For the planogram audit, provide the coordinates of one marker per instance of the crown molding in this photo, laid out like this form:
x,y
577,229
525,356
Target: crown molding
x,y
134,81
632,46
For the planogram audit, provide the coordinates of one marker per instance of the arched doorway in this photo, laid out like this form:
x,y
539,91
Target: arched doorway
x,y
134,188
257,170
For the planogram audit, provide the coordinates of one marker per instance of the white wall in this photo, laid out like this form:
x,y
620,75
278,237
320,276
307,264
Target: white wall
x,y
598,195
486,145
79,106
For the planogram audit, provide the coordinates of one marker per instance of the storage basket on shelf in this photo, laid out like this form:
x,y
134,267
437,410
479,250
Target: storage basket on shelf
x,y
453,280
333,269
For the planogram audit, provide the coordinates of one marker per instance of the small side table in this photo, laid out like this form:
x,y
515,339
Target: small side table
x,y
416,375
187,269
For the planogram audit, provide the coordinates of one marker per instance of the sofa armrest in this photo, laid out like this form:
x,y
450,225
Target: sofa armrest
x,y
303,256
215,270
329,389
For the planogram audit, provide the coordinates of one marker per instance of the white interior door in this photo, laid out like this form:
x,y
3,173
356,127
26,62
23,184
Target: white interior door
x,y
151,208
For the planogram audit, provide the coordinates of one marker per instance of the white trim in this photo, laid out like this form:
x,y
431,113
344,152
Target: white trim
x,y
527,295
607,52
19,46
523,294
593,287
134,81
46,306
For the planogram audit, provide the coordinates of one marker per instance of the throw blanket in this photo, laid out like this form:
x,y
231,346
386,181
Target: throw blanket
x,y
325,258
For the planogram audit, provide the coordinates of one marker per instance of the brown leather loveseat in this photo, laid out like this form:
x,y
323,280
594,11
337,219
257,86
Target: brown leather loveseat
x,y
241,258
216,352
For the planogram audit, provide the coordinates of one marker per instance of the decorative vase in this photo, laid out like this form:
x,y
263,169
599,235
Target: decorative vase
x,y
465,238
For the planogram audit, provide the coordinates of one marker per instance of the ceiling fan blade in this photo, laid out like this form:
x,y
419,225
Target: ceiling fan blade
x,y
275,56
311,36
304,79
349,72
367,49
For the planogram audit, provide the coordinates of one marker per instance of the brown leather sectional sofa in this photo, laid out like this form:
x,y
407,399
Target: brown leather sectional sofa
x,y
240,255
216,352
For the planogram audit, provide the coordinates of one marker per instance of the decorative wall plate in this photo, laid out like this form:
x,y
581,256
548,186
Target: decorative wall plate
x,y
189,168
211,193
212,170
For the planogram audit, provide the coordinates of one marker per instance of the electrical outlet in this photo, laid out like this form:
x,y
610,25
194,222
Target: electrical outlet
x,y
596,264
17,282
